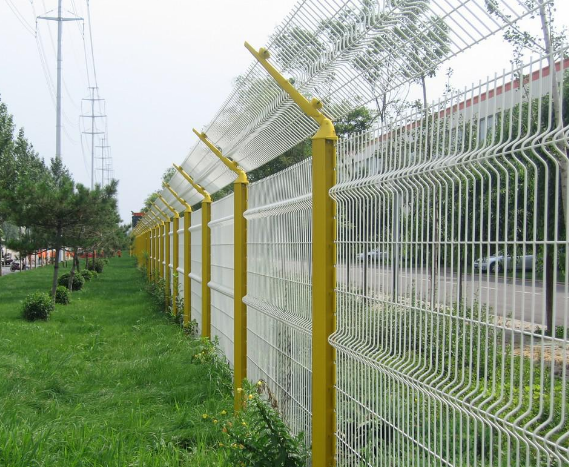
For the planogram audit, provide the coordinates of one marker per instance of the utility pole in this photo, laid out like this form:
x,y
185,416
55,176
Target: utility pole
x,y
104,168
92,99
60,21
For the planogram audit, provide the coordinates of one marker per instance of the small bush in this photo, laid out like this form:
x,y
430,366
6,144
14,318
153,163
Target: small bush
x,y
258,436
37,306
78,281
97,266
87,275
62,295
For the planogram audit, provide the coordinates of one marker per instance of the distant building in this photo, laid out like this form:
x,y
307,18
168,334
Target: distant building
x,y
479,106
136,216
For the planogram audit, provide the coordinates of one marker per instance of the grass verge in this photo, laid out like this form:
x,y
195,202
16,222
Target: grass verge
x,y
107,381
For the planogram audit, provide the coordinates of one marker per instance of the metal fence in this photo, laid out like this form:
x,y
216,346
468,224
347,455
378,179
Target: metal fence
x,y
451,262
403,292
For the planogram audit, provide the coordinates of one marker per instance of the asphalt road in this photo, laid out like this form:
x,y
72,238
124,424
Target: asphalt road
x,y
507,296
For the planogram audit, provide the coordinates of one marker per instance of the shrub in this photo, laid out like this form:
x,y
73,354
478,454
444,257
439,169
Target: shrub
x,y
97,266
258,436
78,281
37,306
87,275
62,295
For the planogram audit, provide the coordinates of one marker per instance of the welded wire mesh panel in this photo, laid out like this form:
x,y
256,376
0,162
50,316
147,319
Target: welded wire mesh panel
x,y
151,249
163,237
346,53
195,274
181,253
221,283
170,265
279,291
452,340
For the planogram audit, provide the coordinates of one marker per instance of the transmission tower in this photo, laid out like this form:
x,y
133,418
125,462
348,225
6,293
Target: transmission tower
x,y
60,21
106,163
94,131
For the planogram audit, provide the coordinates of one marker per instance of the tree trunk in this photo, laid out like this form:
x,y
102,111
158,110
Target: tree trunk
x,y
563,161
434,241
72,272
56,263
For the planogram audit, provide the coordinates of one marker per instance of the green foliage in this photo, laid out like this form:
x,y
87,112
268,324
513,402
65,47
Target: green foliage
x,y
37,306
209,354
77,284
258,437
62,295
98,265
157,290
87,275
112,373
525,40
356,121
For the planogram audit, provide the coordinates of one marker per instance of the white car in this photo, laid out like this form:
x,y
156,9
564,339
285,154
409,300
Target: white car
x,y
373,255
499,263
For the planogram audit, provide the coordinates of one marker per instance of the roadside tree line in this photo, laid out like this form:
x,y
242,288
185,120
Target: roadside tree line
x,y
49,209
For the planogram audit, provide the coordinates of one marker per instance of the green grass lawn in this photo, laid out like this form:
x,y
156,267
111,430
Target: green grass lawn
x,y
107,381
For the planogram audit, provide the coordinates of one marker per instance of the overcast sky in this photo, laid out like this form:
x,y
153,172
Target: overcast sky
x,y
163,68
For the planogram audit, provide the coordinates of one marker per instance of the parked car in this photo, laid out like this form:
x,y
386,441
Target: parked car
x,y
500,263
7,259
16,266
373,255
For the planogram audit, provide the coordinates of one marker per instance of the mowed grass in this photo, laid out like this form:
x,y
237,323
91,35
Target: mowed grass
x,y
107,381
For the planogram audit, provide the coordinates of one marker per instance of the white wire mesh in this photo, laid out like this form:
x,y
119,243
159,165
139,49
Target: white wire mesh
x,y
163,251
180,269
170,265
451,256
196,267
347,53
279,291
221,283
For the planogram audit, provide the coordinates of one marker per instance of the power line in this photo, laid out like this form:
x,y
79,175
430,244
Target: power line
x,y
92,99
60,19
20,17
91,42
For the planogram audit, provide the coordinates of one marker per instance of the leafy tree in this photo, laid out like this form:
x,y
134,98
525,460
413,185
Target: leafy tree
x,y
550,44
96,216
6,158
47,206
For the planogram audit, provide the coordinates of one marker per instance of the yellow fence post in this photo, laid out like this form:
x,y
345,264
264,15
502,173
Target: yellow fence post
x,y
176,226
161,252
162,219
148,247
167,226
240,199
323,261
187,256
164,252
206,253
153,240
155,270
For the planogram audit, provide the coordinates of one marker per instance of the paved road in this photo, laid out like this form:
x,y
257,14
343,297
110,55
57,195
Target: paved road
x,y
508,297
6,270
